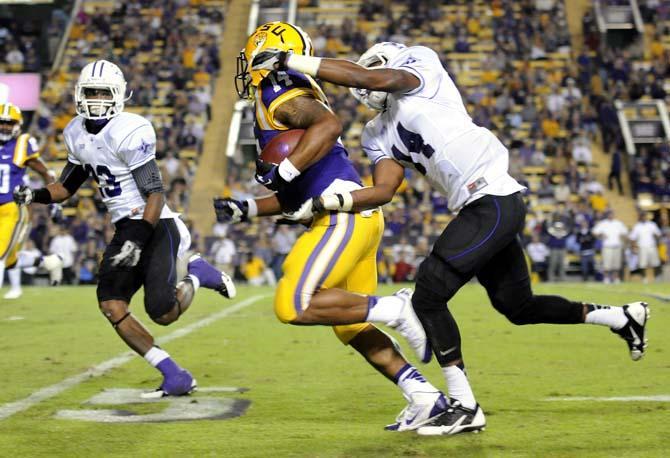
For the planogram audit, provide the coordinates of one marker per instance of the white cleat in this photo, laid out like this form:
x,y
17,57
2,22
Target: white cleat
x,y
409,326
54,265
634,332
422,408
457,419
13,293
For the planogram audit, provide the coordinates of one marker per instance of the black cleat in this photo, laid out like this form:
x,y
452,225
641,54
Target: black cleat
x,y
634,331
456,419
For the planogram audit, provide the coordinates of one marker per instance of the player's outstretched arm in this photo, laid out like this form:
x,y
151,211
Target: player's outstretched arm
x,y
388,176
338,71
236,211
72,177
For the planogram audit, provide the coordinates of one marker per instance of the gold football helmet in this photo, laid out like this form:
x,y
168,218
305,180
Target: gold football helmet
x,y
277,35
10,121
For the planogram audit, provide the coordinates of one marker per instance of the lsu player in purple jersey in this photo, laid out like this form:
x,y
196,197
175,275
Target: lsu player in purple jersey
x,y
118,150
337,256
17,152
423,124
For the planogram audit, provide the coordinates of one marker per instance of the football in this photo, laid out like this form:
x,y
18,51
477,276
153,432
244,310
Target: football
x,y
281,146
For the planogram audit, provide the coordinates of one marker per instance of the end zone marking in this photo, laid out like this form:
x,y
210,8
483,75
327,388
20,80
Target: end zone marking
x,y
11,408
652,398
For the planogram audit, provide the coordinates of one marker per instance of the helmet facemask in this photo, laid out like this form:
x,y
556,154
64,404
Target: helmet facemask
x,y
243,78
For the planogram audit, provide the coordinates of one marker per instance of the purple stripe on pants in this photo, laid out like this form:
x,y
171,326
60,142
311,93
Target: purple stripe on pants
x,y
297,298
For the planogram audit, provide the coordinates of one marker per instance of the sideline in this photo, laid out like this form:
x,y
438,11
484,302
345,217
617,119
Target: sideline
x,y
11,408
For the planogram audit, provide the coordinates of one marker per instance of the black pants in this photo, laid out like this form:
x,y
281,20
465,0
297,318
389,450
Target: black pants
x,y
483,241
156,271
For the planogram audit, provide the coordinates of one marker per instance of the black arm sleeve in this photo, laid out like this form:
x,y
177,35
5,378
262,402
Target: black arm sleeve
x,y
148,178
72,177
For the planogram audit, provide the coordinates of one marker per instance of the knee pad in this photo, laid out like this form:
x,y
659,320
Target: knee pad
x,y
436,284
160,303
515,303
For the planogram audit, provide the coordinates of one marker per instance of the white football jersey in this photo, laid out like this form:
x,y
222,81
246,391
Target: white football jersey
x,y
127,142
429,130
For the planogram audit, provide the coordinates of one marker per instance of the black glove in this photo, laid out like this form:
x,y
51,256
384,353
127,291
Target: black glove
x,y
135,235
268,175
270,59
231,210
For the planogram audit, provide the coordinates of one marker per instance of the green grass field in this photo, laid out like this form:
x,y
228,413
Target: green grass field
x,y
311,396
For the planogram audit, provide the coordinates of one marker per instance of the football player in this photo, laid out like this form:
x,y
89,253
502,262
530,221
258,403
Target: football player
x,y
330,275
424,125
118,149
18,151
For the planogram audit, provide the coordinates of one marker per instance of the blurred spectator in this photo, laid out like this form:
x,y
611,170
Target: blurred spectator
x,y
612,233
64,245
645,236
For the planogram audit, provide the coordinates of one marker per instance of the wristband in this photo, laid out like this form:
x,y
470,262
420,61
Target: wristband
x,y
288,171
304,64
42,196
343,201
252,209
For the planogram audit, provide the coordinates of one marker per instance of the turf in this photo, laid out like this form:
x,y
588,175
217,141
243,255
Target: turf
x,y
311,396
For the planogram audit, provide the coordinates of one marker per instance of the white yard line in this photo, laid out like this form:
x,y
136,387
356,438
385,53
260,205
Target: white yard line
x,y
653,398
11,408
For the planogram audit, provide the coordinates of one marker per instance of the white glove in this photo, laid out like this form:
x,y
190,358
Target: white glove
x,y
305,212
23,195
129,255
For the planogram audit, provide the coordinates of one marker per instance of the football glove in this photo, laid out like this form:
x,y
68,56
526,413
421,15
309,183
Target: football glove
x,y
135,235
268,175
307,210
270,59
231,210
23,195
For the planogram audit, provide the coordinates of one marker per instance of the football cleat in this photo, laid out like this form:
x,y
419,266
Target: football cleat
x,y
13,293
422,408
179,384
54,265
409,326
210,277
456,419
634,332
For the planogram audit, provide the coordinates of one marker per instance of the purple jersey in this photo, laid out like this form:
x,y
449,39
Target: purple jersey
x,y
13,157
275,89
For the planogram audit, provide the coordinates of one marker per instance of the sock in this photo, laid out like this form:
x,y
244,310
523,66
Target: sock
x,y
459,387
14,278
160,359
410,381
195,280
383,309
606,316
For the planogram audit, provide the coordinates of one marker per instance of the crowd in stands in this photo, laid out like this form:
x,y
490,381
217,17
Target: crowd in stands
x,y
513,65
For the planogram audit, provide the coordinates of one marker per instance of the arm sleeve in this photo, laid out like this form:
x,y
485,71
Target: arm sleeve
x,y
73,176
139,146
370,146
148,178
423,63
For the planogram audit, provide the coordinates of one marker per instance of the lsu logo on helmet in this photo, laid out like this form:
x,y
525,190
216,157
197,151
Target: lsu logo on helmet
x,y
11,120
278,35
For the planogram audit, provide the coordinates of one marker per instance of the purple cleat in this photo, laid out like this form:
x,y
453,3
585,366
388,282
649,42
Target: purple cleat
x,y
180,383
210,277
